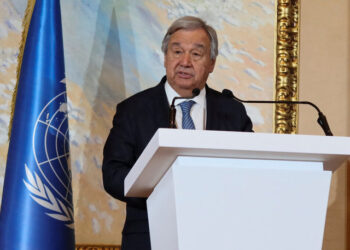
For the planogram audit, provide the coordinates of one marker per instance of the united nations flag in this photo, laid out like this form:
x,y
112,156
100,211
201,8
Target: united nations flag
x,y
37,208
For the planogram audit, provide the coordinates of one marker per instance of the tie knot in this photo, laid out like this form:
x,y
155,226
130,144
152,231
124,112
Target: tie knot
x,y
186,106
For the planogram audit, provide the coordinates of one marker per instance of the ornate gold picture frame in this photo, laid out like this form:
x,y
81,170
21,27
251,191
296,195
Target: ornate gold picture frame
x,y
287,65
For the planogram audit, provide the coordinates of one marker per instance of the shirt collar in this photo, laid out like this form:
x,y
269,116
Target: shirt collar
x,y
171,93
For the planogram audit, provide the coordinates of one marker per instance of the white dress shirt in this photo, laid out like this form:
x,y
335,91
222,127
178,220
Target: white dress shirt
x,y
198,110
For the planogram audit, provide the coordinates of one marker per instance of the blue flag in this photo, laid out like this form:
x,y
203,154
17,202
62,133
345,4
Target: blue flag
x,y
37,207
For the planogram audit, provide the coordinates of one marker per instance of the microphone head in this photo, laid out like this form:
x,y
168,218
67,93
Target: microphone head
x,y
227,93
195,92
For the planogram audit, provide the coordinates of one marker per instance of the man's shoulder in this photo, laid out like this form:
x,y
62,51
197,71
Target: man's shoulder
x,y
212,92
221,99
144,96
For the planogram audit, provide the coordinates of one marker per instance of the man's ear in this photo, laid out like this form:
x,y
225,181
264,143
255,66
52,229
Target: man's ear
x,y
212,66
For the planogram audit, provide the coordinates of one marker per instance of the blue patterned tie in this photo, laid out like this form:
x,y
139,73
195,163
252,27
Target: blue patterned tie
x,y
187,122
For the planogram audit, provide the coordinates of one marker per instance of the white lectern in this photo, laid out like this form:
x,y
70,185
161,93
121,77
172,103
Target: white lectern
x,y
235,190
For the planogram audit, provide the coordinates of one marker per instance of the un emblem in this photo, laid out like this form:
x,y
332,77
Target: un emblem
x,y
50,184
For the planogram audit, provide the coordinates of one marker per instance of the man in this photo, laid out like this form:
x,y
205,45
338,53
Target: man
x,y
190,48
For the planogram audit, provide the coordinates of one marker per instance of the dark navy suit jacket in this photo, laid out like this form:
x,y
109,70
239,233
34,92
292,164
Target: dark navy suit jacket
x,y
135,122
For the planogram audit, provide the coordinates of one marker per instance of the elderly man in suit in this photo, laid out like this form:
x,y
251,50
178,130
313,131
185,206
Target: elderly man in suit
x,y
190,49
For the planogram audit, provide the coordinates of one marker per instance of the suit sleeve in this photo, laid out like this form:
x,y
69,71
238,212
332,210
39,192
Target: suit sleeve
x,y
119,156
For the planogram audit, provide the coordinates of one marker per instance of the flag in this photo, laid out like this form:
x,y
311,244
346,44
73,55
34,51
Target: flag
x,y
37,207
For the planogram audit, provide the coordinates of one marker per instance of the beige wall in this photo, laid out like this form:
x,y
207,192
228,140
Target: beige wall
x,y
324,80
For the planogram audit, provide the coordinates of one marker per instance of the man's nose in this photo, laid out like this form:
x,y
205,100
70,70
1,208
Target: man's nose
x,y
186,60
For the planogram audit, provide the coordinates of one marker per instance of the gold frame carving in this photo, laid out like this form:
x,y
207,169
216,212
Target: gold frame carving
x,y
287,62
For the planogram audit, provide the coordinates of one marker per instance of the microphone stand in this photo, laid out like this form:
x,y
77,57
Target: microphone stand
x,y
172,115
322,120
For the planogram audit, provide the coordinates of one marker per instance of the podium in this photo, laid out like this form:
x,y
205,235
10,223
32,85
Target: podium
x,y
236,190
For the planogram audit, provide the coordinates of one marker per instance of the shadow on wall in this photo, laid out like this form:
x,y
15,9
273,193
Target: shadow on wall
x,y
111,88
111,83
100,218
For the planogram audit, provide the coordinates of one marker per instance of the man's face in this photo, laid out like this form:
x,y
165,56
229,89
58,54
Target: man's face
x,y
187,60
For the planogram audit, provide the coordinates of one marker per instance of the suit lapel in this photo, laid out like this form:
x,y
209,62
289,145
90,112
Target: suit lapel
x,y
161,105
211,110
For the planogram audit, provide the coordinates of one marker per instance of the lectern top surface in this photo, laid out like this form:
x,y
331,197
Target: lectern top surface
x,y
167,144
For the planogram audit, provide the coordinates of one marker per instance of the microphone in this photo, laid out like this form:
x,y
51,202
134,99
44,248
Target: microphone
x,y
322,120
172,113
